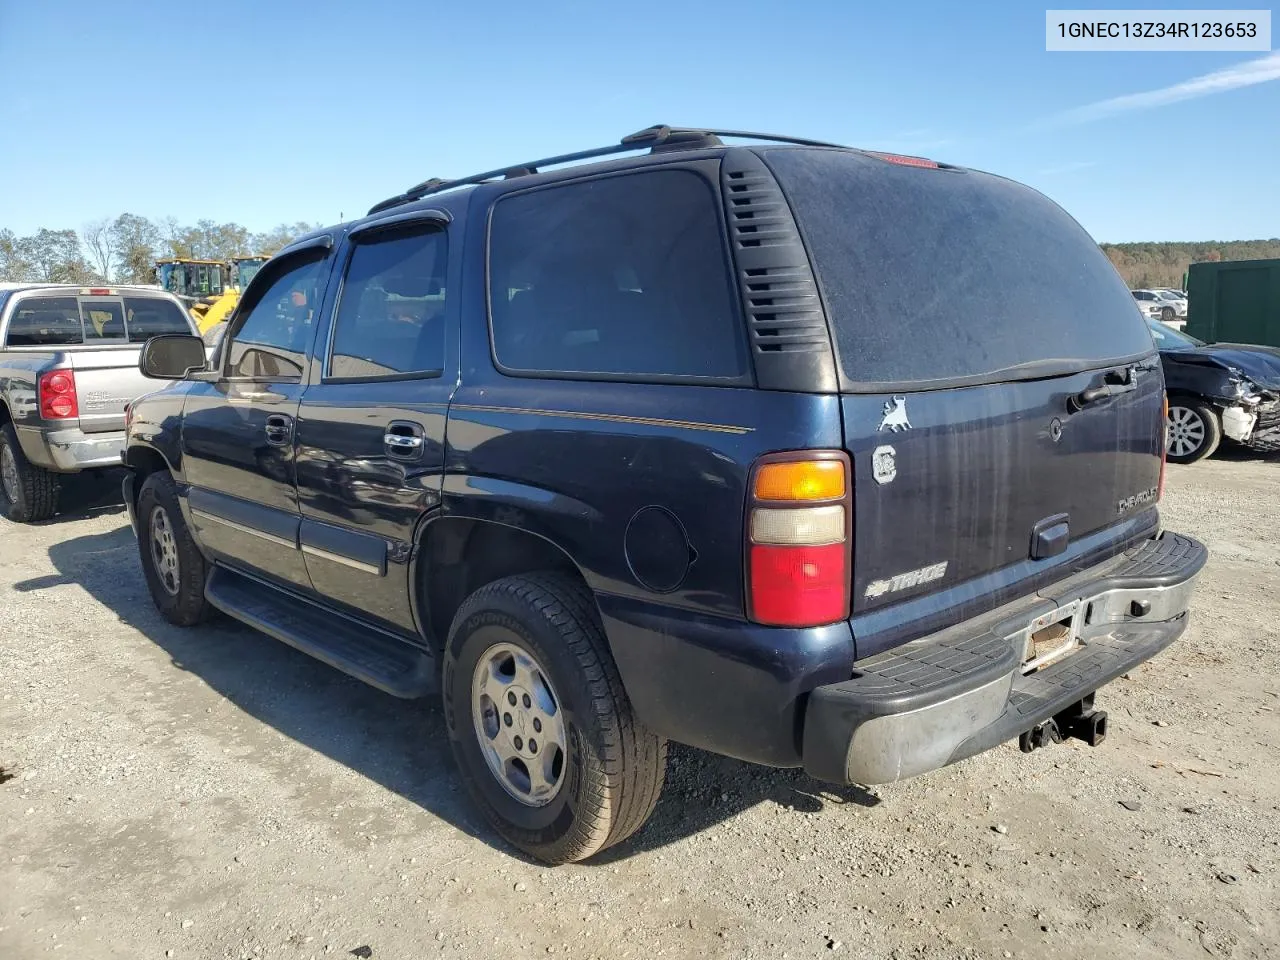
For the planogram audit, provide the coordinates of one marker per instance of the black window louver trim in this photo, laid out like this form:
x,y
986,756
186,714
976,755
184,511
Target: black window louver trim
x,y
790,343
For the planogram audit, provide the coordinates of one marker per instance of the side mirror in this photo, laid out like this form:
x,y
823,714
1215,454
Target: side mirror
x,y
172,356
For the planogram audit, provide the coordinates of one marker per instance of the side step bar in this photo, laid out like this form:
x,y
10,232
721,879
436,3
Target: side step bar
x,y
364,652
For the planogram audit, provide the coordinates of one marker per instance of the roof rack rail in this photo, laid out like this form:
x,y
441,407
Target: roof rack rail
x,y
656,139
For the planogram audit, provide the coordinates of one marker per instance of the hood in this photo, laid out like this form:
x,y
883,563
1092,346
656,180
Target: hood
x,y
1260,364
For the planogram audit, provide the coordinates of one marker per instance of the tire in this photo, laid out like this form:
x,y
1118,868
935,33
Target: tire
x,y
177,589
1193,429
611,767
27,493
1167,314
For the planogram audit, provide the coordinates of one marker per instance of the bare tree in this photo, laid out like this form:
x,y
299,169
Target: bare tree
x,y
100,241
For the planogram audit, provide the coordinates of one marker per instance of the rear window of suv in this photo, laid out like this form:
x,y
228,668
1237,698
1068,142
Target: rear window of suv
x,y
624,277
950,276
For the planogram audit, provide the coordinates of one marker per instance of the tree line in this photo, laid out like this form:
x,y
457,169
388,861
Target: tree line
x,y
124,249
1162,265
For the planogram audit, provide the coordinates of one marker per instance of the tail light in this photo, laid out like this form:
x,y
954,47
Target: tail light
x,y
57,392
799,538
1164,445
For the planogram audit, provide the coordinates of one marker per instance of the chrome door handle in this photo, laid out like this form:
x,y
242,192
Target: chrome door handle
x,y
397,441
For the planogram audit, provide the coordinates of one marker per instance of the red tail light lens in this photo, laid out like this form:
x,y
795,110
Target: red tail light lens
x,y
798,542
57,392
799,586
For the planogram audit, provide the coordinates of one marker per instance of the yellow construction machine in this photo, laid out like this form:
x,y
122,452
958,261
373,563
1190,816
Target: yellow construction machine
x,y
209,288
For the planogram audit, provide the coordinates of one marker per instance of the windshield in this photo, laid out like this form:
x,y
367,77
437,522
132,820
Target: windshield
x,y
1169,295
170,276
942,275
1167,338
246,270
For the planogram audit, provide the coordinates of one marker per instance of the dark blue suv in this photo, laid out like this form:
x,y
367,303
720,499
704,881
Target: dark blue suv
x,y
797,453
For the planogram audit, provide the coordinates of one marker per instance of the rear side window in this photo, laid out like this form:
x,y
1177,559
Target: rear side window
x,y
390,321
938,275
45,322
146,317
621,277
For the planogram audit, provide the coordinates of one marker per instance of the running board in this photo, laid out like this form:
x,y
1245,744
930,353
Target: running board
x,y
364,652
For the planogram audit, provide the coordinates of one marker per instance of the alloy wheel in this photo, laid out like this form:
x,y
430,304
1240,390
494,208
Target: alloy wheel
x,y
164,551
9,479
519,724
1186,431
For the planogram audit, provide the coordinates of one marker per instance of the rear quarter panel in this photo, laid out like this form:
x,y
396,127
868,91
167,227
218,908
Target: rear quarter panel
x,y
19,372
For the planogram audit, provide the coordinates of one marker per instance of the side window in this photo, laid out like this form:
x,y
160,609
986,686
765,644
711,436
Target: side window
x,y
622,276
390,321
271,341
45,322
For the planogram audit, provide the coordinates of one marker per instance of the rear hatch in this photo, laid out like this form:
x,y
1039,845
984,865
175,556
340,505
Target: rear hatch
x,y
100,334
1002,398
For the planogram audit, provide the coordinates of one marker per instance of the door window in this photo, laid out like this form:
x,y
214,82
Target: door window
x,y
390,320
271,341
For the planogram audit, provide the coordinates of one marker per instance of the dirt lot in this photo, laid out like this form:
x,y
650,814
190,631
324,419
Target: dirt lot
x,y
212,793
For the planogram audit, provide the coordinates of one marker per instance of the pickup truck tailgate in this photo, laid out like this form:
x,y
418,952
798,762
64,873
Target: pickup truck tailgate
x,y
107,378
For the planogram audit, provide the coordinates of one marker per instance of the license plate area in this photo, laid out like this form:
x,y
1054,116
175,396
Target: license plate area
x,y
1051,636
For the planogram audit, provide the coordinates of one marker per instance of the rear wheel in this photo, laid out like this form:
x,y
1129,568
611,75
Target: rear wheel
x,y
27,493
540,724
1193,431
171,562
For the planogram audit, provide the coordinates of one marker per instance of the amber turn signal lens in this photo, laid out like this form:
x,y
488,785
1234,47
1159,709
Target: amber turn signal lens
x,y
801,480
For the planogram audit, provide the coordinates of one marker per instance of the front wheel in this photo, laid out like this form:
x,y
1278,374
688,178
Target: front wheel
x,y
171,562
540,725
27,493
1193,431
1167,314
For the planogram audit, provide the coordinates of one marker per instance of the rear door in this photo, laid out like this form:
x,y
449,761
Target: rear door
x,y
1002,397
238,430
370,437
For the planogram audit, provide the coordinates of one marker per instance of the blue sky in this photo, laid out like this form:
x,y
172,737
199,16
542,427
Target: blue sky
x,y
290,110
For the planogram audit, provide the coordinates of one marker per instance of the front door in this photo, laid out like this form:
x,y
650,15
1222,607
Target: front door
x,y
238,430
370,435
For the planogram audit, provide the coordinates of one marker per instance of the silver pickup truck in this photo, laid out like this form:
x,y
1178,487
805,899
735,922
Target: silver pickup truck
x,y
68,368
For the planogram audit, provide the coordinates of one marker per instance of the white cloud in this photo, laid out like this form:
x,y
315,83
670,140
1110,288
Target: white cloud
x,y
1262,70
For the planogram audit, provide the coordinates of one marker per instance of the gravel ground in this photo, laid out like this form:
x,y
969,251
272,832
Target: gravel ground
x,y
214,794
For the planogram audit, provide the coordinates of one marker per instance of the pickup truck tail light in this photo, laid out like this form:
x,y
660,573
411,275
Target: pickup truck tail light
x,y
57,392
799,539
